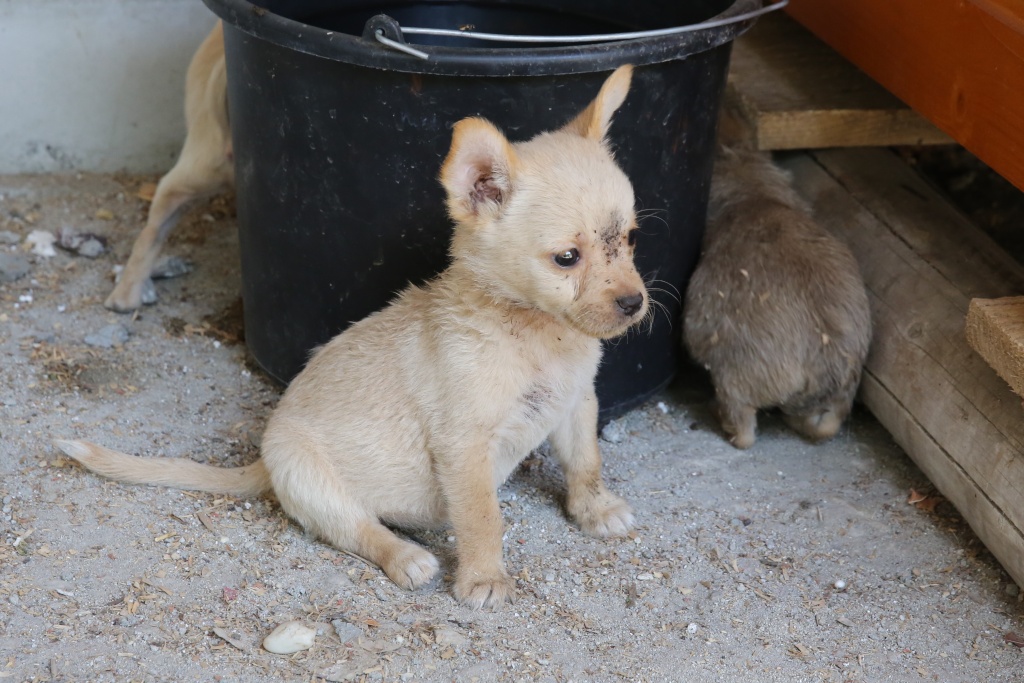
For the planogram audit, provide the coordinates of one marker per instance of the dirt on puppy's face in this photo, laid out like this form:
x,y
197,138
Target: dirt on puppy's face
x,y
549,223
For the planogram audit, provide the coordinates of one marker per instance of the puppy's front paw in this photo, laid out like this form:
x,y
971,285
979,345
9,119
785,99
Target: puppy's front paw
x,y
603,515
123,301
411,568
476,590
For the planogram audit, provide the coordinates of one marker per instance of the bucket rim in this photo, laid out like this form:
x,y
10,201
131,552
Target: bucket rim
x,y
356,50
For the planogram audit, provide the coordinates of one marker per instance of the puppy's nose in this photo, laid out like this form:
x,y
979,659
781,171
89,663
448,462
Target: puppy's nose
x,y
630,304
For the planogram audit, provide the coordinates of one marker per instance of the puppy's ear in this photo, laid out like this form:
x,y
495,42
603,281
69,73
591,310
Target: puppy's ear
x,y
479,172
593,121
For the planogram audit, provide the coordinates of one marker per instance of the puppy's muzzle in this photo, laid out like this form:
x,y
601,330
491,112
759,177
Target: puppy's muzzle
x,y
629,305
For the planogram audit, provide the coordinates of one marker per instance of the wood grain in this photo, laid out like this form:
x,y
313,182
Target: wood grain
x,y
922,263
960,63
995,329
798,93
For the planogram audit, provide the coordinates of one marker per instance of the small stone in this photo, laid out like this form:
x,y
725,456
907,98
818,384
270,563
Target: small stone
x,y
41,243
289,637
691,628
839,585
92,247
82,243
14,599
613,432
845,622
149,295
346,632
170,266
549,577
1012,589
445,636
109,336
13,267
663,407
8,237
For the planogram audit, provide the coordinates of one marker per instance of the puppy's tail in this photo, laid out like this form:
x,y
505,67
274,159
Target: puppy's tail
x,y
179,473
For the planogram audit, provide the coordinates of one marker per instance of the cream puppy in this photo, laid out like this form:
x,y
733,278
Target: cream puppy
x,y
415,415
205,166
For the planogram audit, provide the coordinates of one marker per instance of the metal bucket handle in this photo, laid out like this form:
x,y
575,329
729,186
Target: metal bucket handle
x,y
382,25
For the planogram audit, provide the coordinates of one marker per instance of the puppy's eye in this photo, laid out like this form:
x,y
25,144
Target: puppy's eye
x,y
631,238
567,258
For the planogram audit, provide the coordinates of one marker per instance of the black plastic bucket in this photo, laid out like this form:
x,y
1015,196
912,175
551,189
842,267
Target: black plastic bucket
x,y
338,141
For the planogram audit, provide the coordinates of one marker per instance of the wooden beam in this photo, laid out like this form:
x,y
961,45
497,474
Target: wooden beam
x,y
960,63
798,93
922,263
995,329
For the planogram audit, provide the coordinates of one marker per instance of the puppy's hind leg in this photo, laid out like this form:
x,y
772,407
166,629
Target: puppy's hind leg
x,y
820,419
204,167
823,423
311,493
196,174
738,420
598,511
817,426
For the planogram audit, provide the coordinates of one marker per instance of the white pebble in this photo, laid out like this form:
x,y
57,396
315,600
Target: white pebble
x,y
840,585
41,243
289,637
691,628
662,407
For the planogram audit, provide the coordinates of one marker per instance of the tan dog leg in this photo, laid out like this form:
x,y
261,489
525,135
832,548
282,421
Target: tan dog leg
x,y
204,168
176,189
469,488
598,511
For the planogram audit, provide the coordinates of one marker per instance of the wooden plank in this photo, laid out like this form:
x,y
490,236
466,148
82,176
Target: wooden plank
x,y
798,93
960,63
922,262
995,329
942,469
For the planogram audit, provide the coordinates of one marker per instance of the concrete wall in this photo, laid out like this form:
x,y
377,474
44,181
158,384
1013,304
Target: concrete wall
x,y
95,85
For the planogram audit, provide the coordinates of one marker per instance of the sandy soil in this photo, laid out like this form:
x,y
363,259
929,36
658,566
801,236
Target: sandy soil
x,y
789,562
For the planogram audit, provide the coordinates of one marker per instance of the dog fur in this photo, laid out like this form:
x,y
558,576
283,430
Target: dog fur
x,y
776,309
204,167
415,415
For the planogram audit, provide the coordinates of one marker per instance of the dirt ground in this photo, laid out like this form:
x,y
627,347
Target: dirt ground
x,y
789,562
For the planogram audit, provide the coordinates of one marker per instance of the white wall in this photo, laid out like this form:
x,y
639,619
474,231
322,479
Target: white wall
x,y
95,85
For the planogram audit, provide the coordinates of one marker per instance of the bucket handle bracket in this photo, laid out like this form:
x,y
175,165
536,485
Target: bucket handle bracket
x,y
386,31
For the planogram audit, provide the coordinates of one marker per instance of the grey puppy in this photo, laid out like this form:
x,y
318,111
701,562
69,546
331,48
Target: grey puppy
x,y
776,309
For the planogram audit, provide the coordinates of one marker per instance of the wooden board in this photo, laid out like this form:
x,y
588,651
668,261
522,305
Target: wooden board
x,y
995,329
797,93
960,63
923,263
